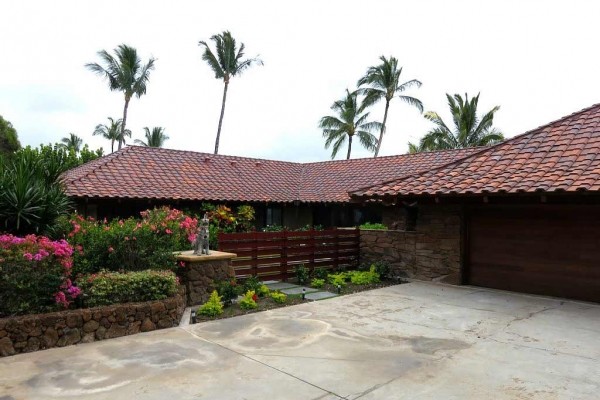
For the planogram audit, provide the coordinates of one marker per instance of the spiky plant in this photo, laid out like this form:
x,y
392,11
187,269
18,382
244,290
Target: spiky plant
x,y
113,132
154,138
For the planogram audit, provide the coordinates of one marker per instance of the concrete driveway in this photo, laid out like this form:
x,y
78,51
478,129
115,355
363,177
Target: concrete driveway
x,y
413,341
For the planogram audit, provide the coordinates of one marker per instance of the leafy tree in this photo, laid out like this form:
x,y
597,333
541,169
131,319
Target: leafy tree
x,y
9,140
31,194
154,138
124,73
72,142
383,82
468,130
226,63
351,120
113,132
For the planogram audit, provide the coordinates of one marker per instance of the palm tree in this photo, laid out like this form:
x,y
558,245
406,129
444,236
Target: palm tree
x,y
154,138
351,121
227,63
124,73
72,142
112,132
469,130
383,82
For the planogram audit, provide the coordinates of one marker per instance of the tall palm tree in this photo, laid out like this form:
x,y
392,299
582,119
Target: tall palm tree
x,y
72,142
383,82
468,131
351,121
226,63
125,73
112,132
154,138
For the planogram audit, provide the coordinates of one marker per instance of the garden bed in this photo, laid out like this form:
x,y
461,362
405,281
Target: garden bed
x,y
264,304
267,303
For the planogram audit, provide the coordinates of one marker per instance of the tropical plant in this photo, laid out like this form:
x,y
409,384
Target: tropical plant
x,y
113,132
125,73
154,138
248,302
212,307
383,82
351,120
9,140
278,297
302,274
228,290
35,275
317,283
468,130
227,62
72,142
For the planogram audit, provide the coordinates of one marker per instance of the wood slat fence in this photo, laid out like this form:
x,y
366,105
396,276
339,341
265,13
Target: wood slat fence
x,y
273,255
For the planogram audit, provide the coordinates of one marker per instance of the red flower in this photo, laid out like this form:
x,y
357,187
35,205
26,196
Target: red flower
x,y
254,297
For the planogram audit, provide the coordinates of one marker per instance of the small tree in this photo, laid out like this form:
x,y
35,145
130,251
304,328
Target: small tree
x,y
9,140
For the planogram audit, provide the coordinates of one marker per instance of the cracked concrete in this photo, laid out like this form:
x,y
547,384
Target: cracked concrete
x,y
414,341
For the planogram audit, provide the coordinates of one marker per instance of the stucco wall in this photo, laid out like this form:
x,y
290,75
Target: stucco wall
x,y
432,252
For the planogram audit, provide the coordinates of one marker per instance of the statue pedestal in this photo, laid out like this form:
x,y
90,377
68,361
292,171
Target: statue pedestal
x,y
201,273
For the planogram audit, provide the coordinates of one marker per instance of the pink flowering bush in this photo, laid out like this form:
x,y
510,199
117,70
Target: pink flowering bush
x,y
35,275
131,244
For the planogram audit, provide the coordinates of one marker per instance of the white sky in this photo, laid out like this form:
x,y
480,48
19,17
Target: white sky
x,y
538,60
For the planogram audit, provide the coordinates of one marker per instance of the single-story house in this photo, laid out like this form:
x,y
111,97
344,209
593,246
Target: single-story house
x,y
522,215
283,193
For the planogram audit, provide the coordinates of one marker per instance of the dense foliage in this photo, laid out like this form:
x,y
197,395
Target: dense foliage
x,y
31,196
374,226
105,288
35,275
224,219
248,302
130,244
9,140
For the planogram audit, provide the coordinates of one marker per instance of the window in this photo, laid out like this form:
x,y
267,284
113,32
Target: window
x,y
273,216
411,213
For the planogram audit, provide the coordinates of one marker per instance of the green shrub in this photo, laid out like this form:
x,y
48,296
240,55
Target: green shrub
x,y
35,275
374,226
252,283
382,268
212,307
317,283
337,279
320,273
131,244
364,277
228,290
278,297
302,274
249,301
106,287
263,291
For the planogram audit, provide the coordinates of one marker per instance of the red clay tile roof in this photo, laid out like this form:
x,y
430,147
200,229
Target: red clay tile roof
x,y
151,173
562,156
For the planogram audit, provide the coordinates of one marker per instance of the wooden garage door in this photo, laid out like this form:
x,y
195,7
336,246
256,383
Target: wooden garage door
x,y
551,250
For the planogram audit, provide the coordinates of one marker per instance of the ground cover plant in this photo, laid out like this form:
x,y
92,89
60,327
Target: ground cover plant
x,y
374,226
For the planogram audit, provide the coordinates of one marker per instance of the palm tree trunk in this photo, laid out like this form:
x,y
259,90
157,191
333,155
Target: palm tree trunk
x,y
387,106
122,138
221,117
349,146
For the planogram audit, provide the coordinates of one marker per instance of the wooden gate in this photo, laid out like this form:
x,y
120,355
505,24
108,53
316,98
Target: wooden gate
x,y
273,255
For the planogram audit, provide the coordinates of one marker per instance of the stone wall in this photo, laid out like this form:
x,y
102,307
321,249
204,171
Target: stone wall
x,y
201,273
432,252
28,333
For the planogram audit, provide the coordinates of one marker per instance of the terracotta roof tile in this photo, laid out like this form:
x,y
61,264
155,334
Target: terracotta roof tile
x,y
563,155
151,173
